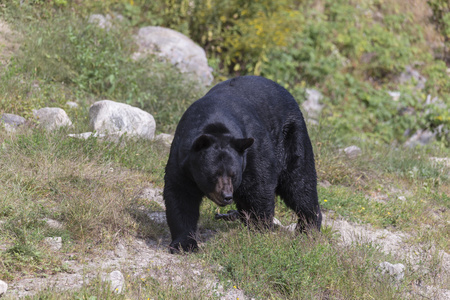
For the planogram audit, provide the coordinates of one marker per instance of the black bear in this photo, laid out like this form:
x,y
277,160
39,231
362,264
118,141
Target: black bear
x,y
244,141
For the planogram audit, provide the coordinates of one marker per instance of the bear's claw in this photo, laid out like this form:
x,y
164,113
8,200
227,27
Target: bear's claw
x,y
231,215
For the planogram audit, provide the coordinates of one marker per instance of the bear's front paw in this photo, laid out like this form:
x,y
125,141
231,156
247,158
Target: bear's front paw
x,y
189,245
231,215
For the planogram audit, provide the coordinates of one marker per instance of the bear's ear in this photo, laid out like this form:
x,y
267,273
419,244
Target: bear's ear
x,y
241,144
202,142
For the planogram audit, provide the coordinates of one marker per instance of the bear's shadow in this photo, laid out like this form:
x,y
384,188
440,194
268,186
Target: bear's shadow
x,y
152,225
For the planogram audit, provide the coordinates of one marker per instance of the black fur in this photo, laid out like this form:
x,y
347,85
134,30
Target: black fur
x,y
244,141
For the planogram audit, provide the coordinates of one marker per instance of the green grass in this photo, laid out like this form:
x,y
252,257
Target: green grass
x,y
279,265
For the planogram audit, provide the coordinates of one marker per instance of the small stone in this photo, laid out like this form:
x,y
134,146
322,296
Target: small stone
x,y
277,222
411,75
117,281
325,184
100,20
421,137
52,118
3,288
13,120
72,104
312,104
10,122
158,217
352,151
165,139
395,95
152,194
53,224
292,227
120,251
54,243
86,135
445,161
397,271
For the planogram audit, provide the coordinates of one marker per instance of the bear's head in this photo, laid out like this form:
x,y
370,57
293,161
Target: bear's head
x,y
216,164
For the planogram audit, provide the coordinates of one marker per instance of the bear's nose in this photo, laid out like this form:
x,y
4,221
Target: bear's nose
x,y
227,198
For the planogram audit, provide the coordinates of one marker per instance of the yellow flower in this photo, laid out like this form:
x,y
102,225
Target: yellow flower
x,y
325,200
389,213
234,286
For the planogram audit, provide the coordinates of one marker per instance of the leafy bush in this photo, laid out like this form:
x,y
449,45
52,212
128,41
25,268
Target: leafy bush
x,y
441,19
240,33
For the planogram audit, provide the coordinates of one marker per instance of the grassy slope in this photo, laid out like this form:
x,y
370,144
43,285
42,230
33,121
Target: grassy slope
x,y
91,186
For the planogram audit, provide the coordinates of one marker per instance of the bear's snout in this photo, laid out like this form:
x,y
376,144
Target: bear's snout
x,y
223,192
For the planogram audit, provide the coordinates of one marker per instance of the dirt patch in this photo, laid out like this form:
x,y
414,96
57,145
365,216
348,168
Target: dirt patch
x,y
134,258
396,244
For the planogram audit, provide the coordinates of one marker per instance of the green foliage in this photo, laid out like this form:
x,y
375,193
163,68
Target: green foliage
x,y
240,33
441,19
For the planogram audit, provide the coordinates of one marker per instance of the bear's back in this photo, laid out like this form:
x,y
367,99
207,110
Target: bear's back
x,y
248,106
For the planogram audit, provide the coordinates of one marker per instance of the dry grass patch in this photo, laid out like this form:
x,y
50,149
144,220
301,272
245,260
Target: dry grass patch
x,y
45,176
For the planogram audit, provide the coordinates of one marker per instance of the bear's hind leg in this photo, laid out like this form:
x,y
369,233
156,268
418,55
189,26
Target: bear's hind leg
x,y
297,183
302,198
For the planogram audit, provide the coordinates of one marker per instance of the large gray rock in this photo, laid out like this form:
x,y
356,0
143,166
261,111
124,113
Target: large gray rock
x,y
52,118
177,48
3,288
11,121
111,117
